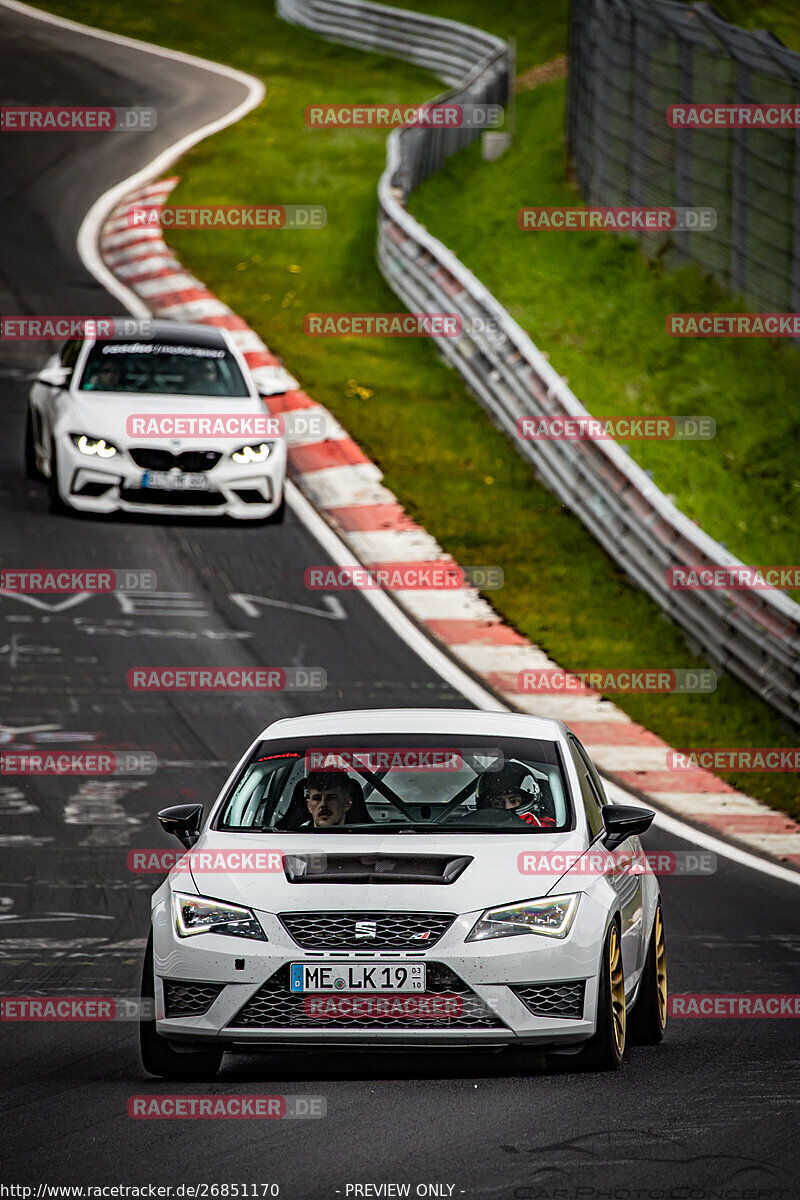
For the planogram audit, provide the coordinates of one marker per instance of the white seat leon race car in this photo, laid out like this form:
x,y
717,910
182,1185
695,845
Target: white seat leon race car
x,y
405,878
114,424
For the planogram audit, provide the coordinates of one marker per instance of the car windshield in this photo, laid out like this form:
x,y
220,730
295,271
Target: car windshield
x,y
160,368
414,784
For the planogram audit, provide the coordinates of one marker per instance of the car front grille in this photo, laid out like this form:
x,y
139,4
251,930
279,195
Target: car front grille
x,y
185,999
180,499
553,999
366,930
162,460
274,1006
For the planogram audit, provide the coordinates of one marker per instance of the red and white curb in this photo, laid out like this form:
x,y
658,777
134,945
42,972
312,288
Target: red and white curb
x,y
342,484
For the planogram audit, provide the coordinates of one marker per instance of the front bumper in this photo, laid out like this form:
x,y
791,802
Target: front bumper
x,y
244,492
488,973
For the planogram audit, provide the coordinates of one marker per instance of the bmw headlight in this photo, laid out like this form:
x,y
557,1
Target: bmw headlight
x,y
253,454
552,917
90,445
198,914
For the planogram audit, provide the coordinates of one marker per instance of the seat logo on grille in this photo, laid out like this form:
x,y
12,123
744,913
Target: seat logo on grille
x,y
365,930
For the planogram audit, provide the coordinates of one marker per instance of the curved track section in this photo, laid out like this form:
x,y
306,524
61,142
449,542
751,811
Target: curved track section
x,y
713,1106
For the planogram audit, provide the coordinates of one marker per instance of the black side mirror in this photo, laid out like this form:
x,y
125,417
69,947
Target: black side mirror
x,y
183,822
623,821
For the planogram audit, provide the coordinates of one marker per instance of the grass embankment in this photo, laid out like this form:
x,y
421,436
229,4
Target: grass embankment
x,y
457,475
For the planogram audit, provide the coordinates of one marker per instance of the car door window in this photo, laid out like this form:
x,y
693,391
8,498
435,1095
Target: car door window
x,y
70,352
593,775
592,803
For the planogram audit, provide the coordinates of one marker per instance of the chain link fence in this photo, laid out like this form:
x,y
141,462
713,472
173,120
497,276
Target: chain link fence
x,y
629,60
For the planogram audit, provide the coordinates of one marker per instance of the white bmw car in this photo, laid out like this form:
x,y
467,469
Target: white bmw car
x,y
412,878
87,405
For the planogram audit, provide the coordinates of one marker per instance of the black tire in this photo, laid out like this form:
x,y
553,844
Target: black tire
x,y
278,516
57,505
649,1017
158,1057
31,466
606,1049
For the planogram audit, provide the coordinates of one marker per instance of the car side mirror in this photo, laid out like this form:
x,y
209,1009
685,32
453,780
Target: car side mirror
x,y
55,377
183,822
623,821
273,381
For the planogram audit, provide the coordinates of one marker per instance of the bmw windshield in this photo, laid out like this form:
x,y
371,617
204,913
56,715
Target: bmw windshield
x,y
161,368
414,784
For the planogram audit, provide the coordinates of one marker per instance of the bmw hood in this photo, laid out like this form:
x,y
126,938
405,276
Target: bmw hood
x,y
297,872
105,414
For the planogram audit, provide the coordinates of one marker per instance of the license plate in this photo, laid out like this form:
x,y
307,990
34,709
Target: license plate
x,y
357,977
185,482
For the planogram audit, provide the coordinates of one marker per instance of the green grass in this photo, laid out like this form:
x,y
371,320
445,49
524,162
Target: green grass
x,y
781,17
463,480
598,307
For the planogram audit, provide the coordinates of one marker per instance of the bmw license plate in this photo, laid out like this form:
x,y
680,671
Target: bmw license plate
x,y
357,977
186,481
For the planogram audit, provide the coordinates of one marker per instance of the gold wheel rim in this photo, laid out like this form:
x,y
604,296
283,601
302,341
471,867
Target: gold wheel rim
x,y
661,968
617,986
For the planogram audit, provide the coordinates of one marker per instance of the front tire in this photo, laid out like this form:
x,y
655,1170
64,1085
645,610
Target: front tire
x,y
606,1049
31,465
158,1057
649,1016
277,517
57,505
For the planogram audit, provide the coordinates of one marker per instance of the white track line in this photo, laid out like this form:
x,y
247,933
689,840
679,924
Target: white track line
x,y
401,625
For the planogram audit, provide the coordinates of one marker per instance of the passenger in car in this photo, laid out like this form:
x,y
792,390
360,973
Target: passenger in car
x,y
515,789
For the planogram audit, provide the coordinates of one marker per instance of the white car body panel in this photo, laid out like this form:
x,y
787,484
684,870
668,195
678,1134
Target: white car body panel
x,y
489,967
59,412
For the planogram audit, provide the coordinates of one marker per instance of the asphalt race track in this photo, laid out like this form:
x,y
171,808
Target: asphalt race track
x,y
714,1106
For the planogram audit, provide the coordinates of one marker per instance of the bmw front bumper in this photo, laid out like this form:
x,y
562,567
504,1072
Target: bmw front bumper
x,y
244,492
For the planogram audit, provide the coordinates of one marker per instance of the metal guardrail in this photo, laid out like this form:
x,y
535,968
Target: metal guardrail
x,y
753,635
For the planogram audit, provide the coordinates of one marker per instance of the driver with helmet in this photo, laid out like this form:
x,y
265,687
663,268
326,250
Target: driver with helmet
x,y
515,788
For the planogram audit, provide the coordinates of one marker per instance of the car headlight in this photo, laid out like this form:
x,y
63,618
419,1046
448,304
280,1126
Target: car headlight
x,y
258,453
90,445
552,917
198,914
